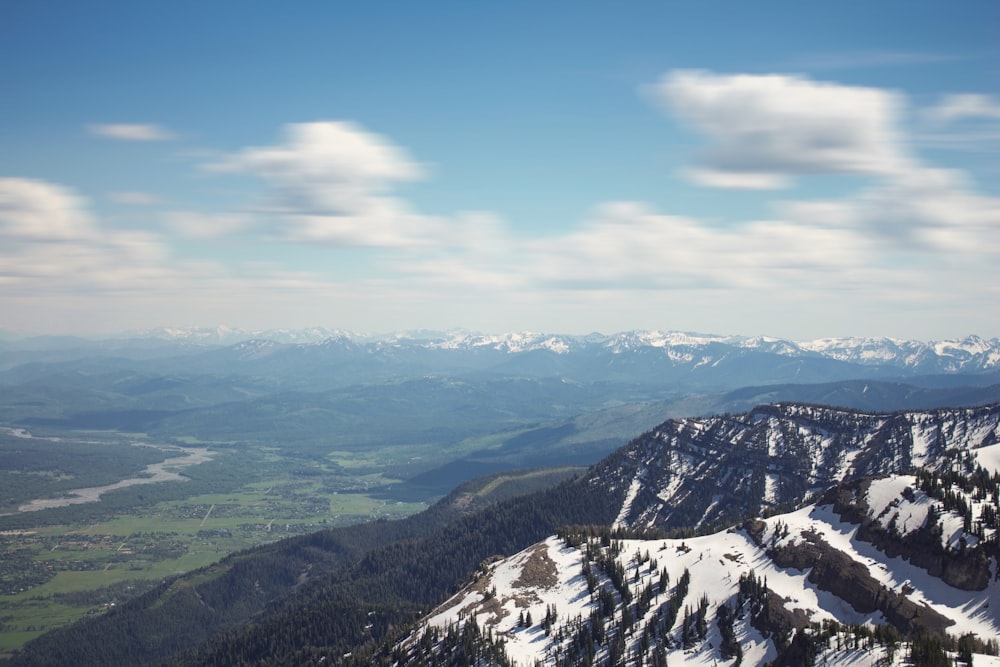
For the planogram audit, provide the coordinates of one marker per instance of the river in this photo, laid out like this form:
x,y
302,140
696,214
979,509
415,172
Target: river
x,y
168,470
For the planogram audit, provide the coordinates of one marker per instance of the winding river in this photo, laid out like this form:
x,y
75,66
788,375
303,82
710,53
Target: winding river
x,y
168,470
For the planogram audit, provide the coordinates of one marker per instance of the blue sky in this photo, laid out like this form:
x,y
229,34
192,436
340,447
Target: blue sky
x,y
784,168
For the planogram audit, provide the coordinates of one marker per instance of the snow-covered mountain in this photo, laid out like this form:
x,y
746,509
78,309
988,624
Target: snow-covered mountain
x,y
224,335
687,361
971,352
948,356
885,568
735,597
897,564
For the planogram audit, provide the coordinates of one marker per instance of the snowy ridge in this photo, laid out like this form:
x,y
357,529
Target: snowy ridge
x,y
511,343
712,470
897,539
614,595
944,356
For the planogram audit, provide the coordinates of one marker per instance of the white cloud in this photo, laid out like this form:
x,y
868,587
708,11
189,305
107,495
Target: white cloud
x,y
51,243
930,211
331,182
767,127
960,107
131,131
33,210
331,166
629,246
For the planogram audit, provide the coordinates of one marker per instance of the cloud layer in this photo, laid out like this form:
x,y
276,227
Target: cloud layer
x,y
52,244
912,237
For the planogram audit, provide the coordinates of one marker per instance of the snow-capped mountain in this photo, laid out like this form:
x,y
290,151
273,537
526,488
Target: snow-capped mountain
x,y
893,568
682,359
224,335
947,356
782,588
939,356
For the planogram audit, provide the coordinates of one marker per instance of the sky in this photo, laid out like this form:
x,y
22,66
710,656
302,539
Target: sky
x,y
799,170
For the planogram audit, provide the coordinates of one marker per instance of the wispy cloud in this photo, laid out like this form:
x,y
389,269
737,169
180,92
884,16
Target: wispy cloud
x,y
195,224
962,107
740,180
131,131
37,211
53,244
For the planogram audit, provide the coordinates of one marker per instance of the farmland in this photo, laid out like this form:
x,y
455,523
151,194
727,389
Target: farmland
x,y
60,563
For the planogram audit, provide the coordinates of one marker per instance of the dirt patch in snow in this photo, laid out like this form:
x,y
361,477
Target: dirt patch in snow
x,y
539,570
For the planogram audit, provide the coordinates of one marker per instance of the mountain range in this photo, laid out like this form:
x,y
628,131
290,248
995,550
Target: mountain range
x,y
690,350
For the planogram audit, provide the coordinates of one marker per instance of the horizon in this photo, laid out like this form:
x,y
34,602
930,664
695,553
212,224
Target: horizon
x,y
322,334
798,171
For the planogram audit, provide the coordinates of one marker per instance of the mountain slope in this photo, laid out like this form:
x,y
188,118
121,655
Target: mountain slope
x,y
797,588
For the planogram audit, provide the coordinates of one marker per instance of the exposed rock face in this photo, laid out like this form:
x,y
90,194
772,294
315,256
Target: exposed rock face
x,y
968,569
713,471
834,571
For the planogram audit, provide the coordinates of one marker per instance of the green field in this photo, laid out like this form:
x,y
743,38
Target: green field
x,y
61,564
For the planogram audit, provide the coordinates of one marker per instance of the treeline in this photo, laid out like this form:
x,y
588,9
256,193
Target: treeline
x,y
354,610
465,646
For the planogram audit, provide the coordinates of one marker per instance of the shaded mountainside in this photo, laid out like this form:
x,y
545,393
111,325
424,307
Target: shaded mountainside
x,y
351,590
711,471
